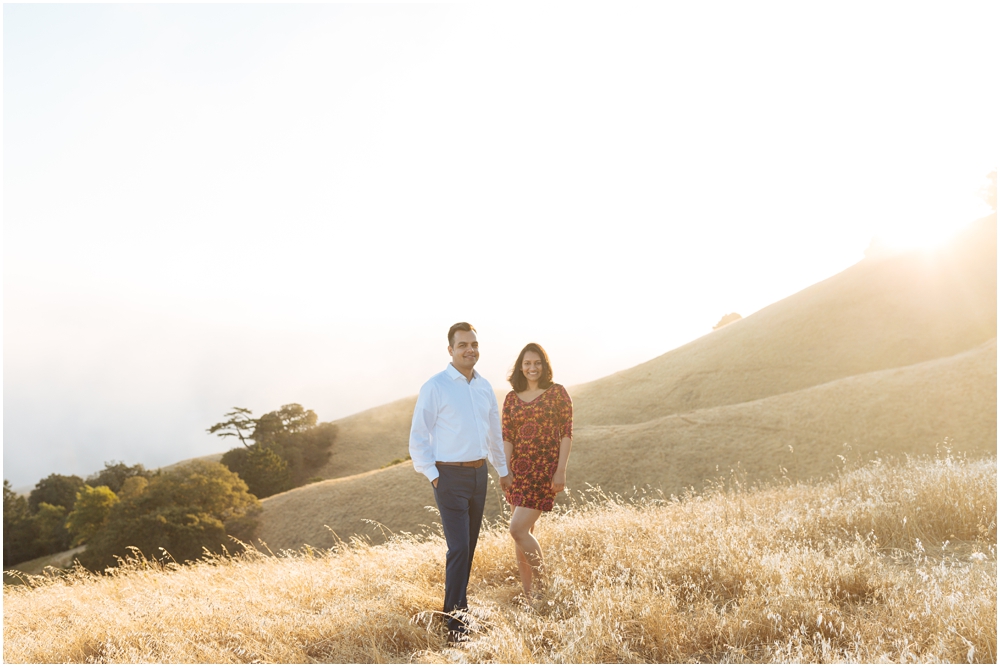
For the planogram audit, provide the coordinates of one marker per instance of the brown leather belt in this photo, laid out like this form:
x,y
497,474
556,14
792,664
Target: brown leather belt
x,y
463,464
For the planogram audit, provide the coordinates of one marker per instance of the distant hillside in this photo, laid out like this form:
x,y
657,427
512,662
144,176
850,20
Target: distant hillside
x,y
371,439
894,412
368,440
893,355
214,458
877,314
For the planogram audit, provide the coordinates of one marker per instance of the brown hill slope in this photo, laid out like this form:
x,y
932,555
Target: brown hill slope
x,y
893,412
369,440
877,314
896,411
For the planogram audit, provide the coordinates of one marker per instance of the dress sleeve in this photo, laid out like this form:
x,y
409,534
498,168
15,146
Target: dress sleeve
x,y
565,414
508,419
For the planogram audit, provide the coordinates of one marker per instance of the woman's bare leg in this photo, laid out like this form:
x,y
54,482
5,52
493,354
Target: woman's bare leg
x,y
523,566
529,553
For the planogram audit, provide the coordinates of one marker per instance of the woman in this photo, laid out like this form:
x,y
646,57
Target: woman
x,y
537,435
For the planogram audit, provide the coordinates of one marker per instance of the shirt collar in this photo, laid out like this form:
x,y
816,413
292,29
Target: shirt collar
x,y
455,374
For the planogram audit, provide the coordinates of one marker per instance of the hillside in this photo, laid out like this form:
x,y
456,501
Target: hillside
x,y
895,412
877,314
370,439
889,413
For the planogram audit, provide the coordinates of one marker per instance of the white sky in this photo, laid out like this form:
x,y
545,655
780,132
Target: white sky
x,y
208,206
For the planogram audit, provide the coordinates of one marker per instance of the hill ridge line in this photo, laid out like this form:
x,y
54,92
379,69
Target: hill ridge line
x,y
678,415
594,430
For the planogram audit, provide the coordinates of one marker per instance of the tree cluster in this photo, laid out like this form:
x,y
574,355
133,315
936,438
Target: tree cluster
x,y
181,511
59,512
280,450
178,514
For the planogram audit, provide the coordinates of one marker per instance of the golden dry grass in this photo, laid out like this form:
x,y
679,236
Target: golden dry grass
x,y
882,564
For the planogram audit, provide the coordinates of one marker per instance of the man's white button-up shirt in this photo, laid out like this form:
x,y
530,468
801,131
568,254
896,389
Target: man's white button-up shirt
x,y
456,420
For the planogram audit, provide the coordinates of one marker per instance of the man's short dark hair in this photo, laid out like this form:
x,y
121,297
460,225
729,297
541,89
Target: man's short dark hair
x,y
459,326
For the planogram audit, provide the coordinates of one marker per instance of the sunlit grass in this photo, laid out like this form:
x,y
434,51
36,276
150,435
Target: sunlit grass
x,y
884,563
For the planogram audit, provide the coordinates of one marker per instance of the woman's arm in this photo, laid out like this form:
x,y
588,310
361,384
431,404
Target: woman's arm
x,y
508,452
559,479
507,428
566,442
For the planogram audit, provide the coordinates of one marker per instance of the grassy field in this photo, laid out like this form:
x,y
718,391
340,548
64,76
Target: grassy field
x,y
885,563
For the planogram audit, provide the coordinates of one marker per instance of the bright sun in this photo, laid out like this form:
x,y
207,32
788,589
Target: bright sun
x,y
926,229
922,237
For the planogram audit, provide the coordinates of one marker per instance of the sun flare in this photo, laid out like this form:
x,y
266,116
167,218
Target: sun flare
x,y
924,230
921,238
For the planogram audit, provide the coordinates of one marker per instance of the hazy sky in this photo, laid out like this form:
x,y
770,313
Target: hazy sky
x,y
209,206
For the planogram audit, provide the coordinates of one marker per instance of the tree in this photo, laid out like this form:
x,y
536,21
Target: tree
x,y
307,451
291,418
183,511
50,523
19,531
261,468
55,489
240,420
134,486
93,505
291,432
114,475
727,319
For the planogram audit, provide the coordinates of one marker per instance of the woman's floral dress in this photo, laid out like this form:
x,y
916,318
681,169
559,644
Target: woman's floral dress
x,y
535,429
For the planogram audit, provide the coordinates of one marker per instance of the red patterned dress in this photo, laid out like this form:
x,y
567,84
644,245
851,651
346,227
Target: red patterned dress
x,y
535,428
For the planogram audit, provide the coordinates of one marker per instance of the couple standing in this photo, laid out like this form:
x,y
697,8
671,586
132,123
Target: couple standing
x,y
457,426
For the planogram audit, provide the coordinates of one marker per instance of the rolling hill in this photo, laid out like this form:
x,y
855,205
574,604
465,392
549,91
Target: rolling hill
x,y
893,412
877,314
891,355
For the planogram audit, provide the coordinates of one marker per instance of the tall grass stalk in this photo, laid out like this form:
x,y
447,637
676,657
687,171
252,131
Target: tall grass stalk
x,y
885,563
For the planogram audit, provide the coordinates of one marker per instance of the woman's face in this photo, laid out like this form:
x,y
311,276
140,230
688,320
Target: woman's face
x,y
531,366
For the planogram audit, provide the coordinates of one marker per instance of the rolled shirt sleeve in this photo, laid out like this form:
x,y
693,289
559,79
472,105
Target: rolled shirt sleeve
x,y
424,416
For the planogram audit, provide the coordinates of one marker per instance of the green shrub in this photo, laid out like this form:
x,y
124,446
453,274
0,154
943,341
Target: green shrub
x,y
93,505
182,512
264,472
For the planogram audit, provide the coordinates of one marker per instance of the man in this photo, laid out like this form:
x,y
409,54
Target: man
x,y
456,426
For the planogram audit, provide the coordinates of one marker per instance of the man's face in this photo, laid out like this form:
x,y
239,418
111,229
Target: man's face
x,y
465,352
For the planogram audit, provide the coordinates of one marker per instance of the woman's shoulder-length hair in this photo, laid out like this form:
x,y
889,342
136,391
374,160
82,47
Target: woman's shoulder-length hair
x,y
516,377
